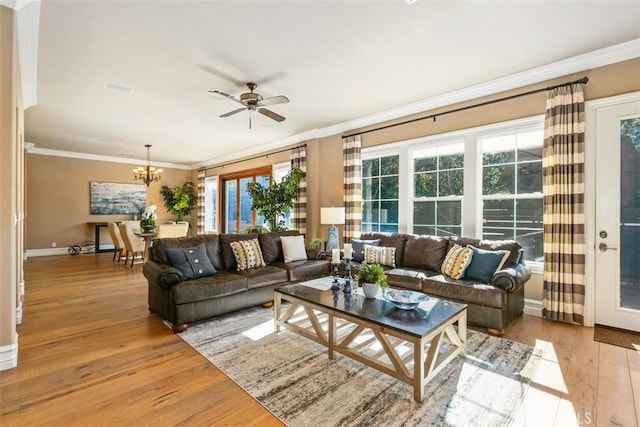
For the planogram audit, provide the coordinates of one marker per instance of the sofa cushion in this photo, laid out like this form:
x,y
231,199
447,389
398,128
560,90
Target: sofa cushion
x,y
264,276
456,262
395,240
358,247
467,291
247,254
305,270
426,252
272,246
407,278
293,248
485,263
211,243
380,255
228,257
204,288
491,245
193,262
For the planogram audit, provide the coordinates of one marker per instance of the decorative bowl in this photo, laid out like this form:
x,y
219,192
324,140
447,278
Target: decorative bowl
x,y
405,300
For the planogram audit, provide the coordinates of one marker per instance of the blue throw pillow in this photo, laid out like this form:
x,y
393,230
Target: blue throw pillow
x,y
358,248
484,264
192,262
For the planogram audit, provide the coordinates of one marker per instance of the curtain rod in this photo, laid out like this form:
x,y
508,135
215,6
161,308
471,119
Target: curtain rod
x,y
583,80
221,165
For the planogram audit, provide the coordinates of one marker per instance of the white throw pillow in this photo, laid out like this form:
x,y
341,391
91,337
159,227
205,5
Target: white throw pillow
x,y
293,248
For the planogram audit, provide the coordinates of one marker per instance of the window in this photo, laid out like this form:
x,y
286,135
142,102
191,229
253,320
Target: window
x,y
512,190
280,170
211,204
237,214
438,184
380,180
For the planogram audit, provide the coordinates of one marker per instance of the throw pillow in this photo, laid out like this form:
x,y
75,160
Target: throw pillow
x,y
247,254
358,248
485,263
193,262
293,248
456,261
380,255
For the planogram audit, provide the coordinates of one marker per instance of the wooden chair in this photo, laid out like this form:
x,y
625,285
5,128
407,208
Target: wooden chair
x,y
179,229
118,243
133,244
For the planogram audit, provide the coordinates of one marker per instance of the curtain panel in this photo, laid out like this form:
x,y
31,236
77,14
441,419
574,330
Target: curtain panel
x,y
563,211
352,160
200,203
298,158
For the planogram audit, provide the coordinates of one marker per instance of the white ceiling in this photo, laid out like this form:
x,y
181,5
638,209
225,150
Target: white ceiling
x,y
335,60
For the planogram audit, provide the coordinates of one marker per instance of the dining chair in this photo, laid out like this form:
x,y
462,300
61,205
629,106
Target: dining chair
x,y
118,243
179,229
133,244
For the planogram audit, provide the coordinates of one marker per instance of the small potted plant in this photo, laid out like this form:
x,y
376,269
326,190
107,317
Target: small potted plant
x,y
371,277
148,218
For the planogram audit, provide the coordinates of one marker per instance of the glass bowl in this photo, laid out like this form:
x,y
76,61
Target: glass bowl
x,y
405,300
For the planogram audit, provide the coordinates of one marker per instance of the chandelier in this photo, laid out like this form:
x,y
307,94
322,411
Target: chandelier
x,y
148,173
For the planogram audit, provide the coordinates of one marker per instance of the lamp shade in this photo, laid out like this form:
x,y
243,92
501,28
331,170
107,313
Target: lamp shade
x,y
331,216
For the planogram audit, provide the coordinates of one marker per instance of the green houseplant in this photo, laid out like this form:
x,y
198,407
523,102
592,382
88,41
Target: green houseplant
x,y
371,277
180,200
277,199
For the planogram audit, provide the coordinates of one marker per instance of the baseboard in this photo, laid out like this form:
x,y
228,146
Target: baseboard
x,y
9,356
47,252
533,307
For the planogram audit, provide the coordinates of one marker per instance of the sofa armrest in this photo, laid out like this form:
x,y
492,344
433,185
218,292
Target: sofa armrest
x,y
313,253
161,274
511,277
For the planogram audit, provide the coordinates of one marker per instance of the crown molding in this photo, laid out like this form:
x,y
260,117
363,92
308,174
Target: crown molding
x,y
32,149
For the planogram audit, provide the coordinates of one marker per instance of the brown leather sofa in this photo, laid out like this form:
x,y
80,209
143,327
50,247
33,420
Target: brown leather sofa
x,y
493,305
186,301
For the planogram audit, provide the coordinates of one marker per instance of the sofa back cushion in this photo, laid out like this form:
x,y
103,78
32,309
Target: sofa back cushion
x,y
211,244
228,257
491,245
394,240
425,252
272,246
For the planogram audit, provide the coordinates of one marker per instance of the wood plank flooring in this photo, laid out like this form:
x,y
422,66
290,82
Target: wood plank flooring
x,y
91,354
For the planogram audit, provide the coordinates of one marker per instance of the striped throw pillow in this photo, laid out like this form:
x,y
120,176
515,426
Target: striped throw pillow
x,y
248,254
380,255
456,261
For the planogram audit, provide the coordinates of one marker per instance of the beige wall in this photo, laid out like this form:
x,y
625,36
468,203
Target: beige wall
x,y
58,198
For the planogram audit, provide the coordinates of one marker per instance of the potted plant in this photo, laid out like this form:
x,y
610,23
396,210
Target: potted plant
x,y
317,243
371,277
274,201
180,200
148,218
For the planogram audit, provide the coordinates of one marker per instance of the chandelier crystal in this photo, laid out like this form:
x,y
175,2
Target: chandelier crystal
x,y
148,173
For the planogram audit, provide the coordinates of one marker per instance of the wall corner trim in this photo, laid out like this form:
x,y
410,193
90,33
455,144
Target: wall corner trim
x,y
533,307
9,356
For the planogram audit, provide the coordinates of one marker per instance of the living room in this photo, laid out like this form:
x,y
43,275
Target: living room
x,y
56,197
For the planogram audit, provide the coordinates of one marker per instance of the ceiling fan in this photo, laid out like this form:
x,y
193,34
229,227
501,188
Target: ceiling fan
x,y
253,102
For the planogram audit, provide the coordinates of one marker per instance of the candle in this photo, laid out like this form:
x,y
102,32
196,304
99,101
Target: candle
x,y
348,250
335,256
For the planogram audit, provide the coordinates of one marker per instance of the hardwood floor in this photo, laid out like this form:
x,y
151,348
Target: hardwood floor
x,y
91,354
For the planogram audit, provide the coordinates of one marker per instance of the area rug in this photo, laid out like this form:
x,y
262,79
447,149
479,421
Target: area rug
x,y
618,337
293,378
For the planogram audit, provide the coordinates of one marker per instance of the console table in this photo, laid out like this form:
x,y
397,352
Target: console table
x,y
97,226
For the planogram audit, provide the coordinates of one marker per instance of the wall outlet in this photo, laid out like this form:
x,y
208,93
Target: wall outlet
x,y
53,244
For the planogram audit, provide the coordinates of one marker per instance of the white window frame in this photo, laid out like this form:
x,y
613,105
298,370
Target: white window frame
x,y
210,217
377,153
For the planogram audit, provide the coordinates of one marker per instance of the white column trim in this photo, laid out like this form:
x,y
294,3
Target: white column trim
x,y
533,307
9,356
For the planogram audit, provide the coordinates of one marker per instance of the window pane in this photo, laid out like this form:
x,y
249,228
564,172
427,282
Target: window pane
x,y
370,188
369,227
370,167
389,187
498,158
389,212
530,178
389,165
246,213
529,213
425,164
367,211
424,213
526,154
452,161
498,180
449,213
498,213
231,205
449,231
425,185
490,233
423,229
531,242
389,228
451,183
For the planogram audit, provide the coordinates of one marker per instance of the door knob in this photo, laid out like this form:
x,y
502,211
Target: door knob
x,y
603,247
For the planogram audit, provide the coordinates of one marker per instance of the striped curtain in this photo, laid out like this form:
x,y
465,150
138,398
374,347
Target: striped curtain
x,y
352,158
200,204
299,213
563,217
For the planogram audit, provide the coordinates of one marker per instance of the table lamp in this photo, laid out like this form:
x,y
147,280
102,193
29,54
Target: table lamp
x,y
332,216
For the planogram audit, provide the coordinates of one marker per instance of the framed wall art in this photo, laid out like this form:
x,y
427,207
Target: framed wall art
x,y
113,198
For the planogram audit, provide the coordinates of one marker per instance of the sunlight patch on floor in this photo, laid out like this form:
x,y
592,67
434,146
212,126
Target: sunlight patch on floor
x,y
260,331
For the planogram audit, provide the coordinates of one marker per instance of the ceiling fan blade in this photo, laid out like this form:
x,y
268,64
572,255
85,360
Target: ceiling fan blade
x,y
224,94
231,113
274,116
280,99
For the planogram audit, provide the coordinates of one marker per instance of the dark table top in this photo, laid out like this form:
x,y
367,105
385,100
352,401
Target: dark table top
x,y
417,322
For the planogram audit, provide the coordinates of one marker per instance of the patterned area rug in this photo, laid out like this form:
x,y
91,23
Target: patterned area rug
x,y
294,378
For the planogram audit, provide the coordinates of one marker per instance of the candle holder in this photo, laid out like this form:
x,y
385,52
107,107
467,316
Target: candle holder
x,y
335,284
347,276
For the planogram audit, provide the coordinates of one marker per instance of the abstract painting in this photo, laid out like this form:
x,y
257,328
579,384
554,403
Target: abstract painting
x,y
112,198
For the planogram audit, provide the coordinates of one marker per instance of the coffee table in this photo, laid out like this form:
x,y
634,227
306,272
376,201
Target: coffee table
x,y
410,345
